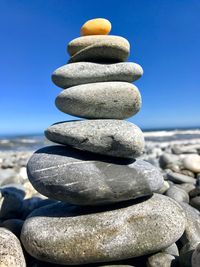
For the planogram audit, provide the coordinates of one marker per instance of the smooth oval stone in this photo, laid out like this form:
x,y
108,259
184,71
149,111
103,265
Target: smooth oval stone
x,y
110,100
177,194
88,72
64,235
107,137
101,52
76,45
192,163
96,27
180,178
81,178
11,254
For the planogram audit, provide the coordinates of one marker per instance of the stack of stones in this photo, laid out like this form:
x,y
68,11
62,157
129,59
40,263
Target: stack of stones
x,y
108,209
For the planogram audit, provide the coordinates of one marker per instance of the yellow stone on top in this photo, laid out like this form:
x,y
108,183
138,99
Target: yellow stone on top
x,y
96,27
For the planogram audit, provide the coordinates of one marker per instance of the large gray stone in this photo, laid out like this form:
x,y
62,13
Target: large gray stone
x,y
106,100
107,137
78,44
73,176
11,254
87,72
72,235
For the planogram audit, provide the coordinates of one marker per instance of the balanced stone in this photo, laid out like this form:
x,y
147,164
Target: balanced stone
x,y
108,137
88,72
81,178
11,254
101,52
71,235
110,100
96,27
76,45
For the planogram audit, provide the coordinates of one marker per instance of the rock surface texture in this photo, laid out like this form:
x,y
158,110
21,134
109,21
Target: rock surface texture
x,y
63,235
116,100
81,178
86,72
107,137
11,254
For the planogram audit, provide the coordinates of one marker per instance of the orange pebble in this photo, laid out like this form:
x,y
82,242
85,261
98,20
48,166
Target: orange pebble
x,y
96,27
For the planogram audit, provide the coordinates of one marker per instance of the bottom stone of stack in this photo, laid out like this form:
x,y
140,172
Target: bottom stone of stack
x,y
66,234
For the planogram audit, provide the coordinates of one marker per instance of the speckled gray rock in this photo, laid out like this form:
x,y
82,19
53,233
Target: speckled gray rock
x,y
87,72
78,44
81,178
11,254
107,137
106,100
60,234
177,194
162,259
101,52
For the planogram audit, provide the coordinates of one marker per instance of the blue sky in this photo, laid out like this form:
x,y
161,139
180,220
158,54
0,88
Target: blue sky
x,y
165,41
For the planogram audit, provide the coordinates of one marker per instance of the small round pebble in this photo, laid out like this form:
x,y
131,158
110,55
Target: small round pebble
x,y
99,26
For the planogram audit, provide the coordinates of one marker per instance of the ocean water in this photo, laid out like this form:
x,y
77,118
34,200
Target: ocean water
x,y
34,142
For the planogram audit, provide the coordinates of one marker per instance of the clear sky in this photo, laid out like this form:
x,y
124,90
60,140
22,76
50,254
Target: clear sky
x,y
165,41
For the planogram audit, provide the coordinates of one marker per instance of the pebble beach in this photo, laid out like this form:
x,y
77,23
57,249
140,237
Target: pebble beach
x,y
164,149
99,191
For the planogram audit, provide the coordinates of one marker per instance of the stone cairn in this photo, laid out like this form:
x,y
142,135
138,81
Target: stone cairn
x,y
108,207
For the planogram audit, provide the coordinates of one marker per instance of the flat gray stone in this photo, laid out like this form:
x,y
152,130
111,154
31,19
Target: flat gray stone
x,y
72,235
76,177
101,52
78,44
87,72
11,254
107,137
106,100
180,178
